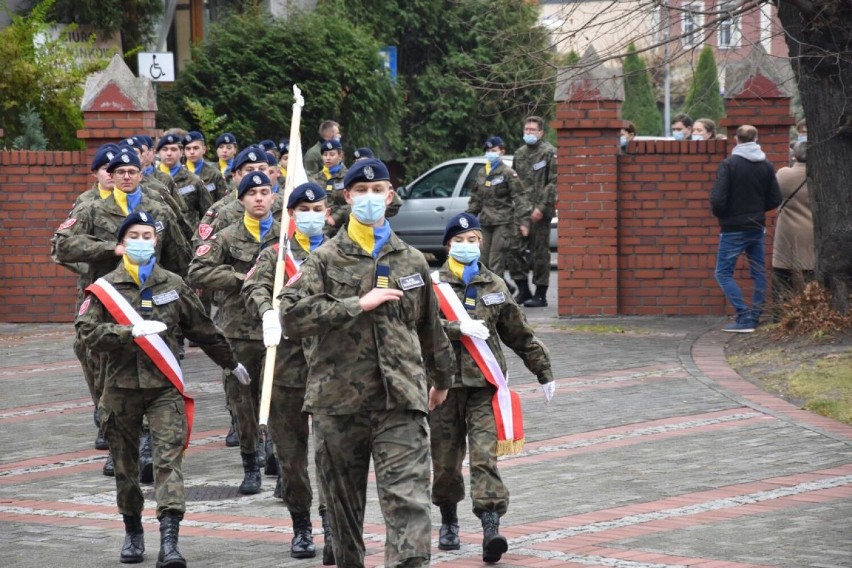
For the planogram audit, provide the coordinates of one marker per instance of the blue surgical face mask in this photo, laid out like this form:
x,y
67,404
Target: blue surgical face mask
x,y
678,135
530,139
138,250
310,223
369,208
802,138
623,141
697,137
492,156
465,252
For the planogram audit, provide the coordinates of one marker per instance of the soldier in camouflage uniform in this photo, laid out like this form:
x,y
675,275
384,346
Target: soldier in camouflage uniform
x,y
137,387
498,199
328,130
467,417
376,347
189,185
332,175
288,424
194,148
535,163
226,150
220,265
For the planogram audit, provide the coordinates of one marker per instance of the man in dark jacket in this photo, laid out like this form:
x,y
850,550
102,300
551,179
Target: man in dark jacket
x,y
745,189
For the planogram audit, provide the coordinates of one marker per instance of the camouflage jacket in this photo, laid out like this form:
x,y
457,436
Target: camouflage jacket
x,y
362,361
499,198
231,212
536,166
193,191
313,158
88,235
291,366
336,202
507,323
220,265
175,304
213,180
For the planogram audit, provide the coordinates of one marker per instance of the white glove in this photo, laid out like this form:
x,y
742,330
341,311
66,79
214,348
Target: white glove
x,y
548,389
148,327
241,374
271,328
474,328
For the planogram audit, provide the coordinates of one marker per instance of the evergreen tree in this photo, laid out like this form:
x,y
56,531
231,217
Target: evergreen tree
x,y
640,107
32,133
704,99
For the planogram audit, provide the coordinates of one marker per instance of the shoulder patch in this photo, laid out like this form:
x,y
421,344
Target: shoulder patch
x,y
67,223
204,231
84,307
494,298
293,279
202,250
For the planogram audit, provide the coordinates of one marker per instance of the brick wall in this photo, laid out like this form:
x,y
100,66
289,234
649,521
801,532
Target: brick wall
x,y
36,193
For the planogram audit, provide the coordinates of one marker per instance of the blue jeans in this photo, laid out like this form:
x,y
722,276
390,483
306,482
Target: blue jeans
x,y
731,245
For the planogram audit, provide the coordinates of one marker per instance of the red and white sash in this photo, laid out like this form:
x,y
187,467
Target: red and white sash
x,y
153,345
506,402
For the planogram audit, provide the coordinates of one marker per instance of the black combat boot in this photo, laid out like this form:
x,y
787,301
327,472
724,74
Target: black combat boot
x,y
277,491
146,459
448,538
232,439
524,293
109,466
170,556
302,545
271,461
539,300
251,481
134,540
100,441
493,544
261,451
327,548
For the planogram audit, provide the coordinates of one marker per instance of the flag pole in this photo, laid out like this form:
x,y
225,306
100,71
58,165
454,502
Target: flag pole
x,y
294,166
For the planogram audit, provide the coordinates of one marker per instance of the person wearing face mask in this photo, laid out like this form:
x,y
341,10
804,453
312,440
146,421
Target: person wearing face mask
x,y
331,176
478,305
220,266
288,424
365,302
535,163
132,316
628,133
499,200
682,127
704,129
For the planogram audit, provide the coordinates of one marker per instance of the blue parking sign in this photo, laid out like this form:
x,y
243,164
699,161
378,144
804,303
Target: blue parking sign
x,y
388,54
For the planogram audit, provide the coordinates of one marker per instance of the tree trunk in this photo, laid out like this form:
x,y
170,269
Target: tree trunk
x,y
819,38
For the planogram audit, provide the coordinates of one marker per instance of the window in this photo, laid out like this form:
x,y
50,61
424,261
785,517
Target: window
x,y
440,183
470,179
691,23
729,33
655,24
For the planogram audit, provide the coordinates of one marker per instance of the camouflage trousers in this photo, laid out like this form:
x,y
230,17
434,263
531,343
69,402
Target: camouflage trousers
x,y
467,416
122,411
90,363
497,246
290,432
538,258
398,442
244,400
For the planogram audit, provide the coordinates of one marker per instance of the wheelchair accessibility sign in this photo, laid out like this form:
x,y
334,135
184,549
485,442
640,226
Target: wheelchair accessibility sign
x,y
159,67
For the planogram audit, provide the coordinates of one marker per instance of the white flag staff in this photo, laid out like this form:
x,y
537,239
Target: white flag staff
x,y
296,176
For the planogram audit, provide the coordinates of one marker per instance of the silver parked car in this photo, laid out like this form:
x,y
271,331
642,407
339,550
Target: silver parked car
x,y
431,199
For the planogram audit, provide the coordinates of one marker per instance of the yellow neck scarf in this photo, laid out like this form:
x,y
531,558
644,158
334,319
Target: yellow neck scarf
x,y
252,225
165,169
132,270
326,172
120,200
487,168
361,234
104,192
223,165
303,240
456,267
283,172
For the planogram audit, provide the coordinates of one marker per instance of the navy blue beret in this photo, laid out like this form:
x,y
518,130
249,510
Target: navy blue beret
x,y
169,139
270,159
250,155
226,138
364,153
460,223
103,155
192,136
124,157
310,192
252,180
332,144
132,142
284,147
136,218
267,145
493,142
366,170
145,140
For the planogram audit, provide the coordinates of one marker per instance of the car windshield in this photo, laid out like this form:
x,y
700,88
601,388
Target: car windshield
x,y
439,183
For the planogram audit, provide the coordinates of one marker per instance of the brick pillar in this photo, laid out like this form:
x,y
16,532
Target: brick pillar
x,y
116,104
588,120
758,94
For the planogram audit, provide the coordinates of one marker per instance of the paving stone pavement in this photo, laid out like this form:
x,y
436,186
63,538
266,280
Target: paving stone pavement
x,y
654,454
